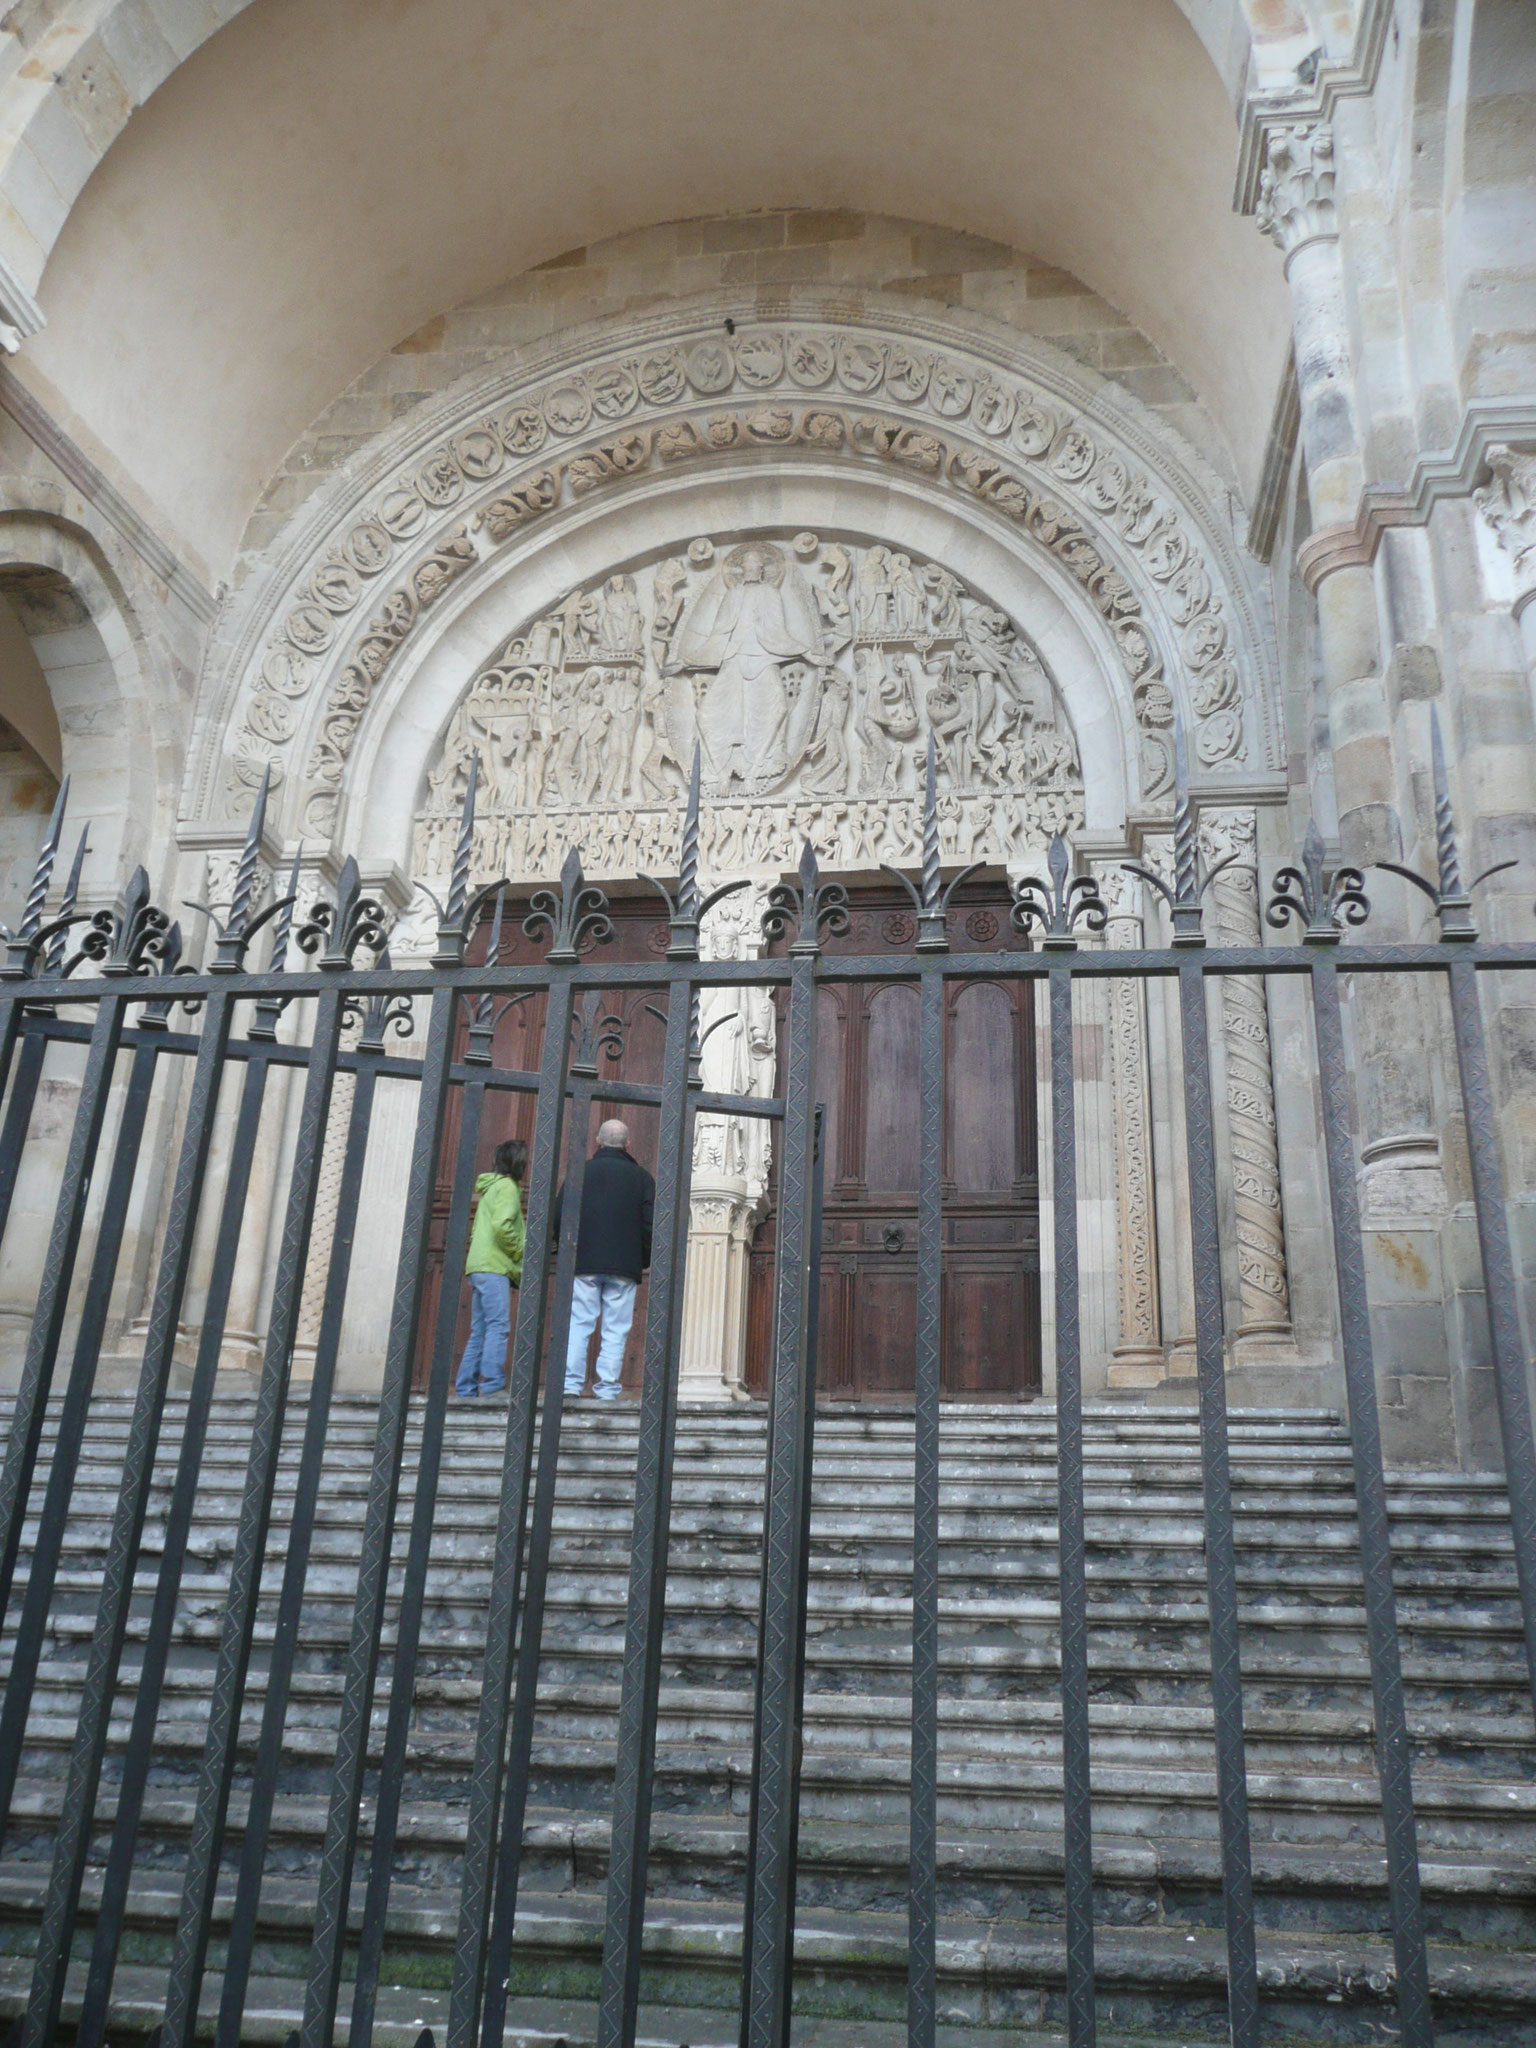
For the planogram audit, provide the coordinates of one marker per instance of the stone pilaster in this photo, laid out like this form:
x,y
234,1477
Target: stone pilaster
x,y
1252,1130
1138,1359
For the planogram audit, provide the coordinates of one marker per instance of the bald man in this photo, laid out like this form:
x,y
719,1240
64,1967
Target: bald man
x,y
613,1249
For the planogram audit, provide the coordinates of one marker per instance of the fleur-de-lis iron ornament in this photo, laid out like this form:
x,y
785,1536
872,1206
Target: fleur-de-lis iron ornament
x,y
1191,876
354,920
574,915
685,912
594,1034
930,899
1322,904
270,1008
814,908
379,1012
1059,905
135,938
1453,903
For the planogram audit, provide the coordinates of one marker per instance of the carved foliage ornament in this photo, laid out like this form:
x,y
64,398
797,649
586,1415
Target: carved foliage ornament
x,y
1028,457
810,673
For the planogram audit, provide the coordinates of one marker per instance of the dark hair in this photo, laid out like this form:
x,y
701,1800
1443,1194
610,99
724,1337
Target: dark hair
x,y
511,1159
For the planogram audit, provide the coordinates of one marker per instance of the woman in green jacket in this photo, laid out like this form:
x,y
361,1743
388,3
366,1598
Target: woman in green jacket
x,y
495,1267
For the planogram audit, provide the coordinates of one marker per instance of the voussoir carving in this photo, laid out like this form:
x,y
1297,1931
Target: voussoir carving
x,y
1057,477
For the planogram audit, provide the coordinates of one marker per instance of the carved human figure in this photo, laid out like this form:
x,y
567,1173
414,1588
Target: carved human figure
x,y
580,626
754,613
668,589
623,629
941,601
952,716
887,717
623,691
565,737
832,594
906,597
826,768
874,593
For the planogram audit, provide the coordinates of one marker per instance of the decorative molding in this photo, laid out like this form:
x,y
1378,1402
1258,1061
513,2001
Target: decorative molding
x,y
1062,467
1279,460
1332,548
20,315
1437,479
1263,113
44,431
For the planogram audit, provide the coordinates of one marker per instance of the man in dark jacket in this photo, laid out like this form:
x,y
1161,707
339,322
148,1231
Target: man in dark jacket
x,y
613,1249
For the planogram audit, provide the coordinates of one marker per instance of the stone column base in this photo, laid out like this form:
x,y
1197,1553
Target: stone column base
x,y
721,1220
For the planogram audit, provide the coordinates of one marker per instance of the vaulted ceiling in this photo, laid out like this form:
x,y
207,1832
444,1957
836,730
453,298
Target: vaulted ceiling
x,y
321,177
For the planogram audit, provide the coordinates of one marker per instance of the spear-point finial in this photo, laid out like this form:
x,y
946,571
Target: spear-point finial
x,y
1186,836
250,855
284,930
931,827
1451,897
1445,820
60,939
458,888
688,862
42,874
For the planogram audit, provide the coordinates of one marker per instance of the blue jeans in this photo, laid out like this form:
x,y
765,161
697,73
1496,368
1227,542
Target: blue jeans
x,y
599,1295
483,1368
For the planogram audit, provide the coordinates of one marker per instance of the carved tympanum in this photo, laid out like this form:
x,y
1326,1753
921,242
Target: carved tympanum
x,y
808,671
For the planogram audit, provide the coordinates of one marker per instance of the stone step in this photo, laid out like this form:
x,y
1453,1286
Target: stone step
x,y
855,1964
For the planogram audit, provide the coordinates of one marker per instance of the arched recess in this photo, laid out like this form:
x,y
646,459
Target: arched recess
x,y
337,666
92,659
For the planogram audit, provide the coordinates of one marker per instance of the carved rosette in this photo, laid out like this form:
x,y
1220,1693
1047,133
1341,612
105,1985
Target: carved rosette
x,y
1253,1131
1033,456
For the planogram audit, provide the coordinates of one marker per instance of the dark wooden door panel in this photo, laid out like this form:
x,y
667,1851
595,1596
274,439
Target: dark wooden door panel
x,y
867,1062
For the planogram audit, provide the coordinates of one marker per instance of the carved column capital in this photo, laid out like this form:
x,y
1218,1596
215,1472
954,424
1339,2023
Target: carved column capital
x,y
1295,203
1508,503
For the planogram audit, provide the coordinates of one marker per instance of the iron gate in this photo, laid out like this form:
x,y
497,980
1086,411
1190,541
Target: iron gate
x,y
123,970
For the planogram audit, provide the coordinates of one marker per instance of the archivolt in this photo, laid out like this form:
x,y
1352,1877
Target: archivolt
x,y
1070,468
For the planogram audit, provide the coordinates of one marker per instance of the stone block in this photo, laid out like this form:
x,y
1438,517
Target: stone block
x,y
812,226
742,231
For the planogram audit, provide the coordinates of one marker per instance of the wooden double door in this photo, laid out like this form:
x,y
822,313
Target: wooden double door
x,y
867,1076
867,1058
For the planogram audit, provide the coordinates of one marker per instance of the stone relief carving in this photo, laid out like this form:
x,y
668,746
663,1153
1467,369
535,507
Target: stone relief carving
x,y
1295,203
1058,477
809,671
1508,503
1253,1128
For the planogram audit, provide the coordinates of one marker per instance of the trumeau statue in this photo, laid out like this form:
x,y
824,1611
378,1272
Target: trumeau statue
x,y
809,672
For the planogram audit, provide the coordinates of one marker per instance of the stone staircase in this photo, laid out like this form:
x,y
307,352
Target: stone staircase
x,y
1325,1946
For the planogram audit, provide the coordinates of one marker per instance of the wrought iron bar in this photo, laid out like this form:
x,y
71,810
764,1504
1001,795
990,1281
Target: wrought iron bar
x,y
768,1934
327,1951
72,1842
301,1526
1216,1486
501,1620
535,1578
52,1304
69,1429
630,1827
1077,1796
190,1951
1394,1761
402,1683
923,1892
144,1433
1509,1363
28,1073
